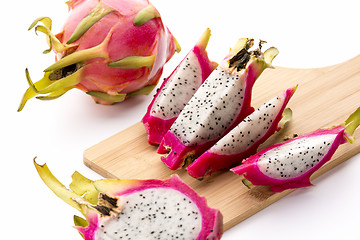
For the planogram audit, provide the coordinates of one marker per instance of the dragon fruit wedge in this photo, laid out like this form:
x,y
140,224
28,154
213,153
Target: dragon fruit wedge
x,y
244,139
136,209
109,49
221,102
177,90
290,164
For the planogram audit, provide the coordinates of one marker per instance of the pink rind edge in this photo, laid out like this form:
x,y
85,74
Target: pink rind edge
x,y
251,172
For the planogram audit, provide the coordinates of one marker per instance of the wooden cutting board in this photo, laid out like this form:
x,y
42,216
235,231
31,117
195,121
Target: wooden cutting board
x,y
325,97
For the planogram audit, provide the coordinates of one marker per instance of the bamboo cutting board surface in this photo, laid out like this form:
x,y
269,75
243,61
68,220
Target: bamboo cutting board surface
x,y
325,97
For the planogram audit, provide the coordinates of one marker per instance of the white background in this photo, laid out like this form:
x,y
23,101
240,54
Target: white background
x,y
307,33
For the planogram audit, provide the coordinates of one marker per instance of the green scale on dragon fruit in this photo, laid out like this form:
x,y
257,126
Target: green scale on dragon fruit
x,y
221,102
137,209
244,139
109,49
290,164
177,89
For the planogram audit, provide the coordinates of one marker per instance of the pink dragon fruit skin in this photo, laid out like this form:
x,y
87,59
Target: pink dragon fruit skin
x,y
109,49
290,164
177,90
137,209
221,102
231,149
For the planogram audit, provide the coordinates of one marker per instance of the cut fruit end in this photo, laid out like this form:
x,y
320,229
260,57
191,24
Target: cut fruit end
x,y
145,15
240,44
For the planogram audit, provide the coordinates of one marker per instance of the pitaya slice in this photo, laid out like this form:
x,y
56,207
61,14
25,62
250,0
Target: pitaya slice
x,y
137,209
221,102
244,139
109,49
177,90
290,164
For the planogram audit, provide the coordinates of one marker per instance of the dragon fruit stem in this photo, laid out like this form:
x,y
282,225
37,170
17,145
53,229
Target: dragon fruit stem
x,y
93,17
68,81
106,205
145,15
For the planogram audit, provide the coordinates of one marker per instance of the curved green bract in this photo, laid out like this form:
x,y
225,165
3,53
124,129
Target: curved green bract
x,y
134,62
270,54
80,222
143,91
93,17
57,187
352,122
30,92
107,97
53,88
84,187
53,42
287,115
79,56
45,20
145,15
55,94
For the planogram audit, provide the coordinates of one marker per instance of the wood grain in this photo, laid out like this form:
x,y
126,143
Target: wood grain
x,y
325,97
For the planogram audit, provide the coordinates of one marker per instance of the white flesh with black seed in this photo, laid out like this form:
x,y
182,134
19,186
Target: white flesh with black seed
x,y
295,158
251,129
154,213
212,109
179,88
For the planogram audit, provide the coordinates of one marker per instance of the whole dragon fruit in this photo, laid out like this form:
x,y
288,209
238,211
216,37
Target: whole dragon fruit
x,y
136,209
244,139
221,102
290,164
177,90
110,49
